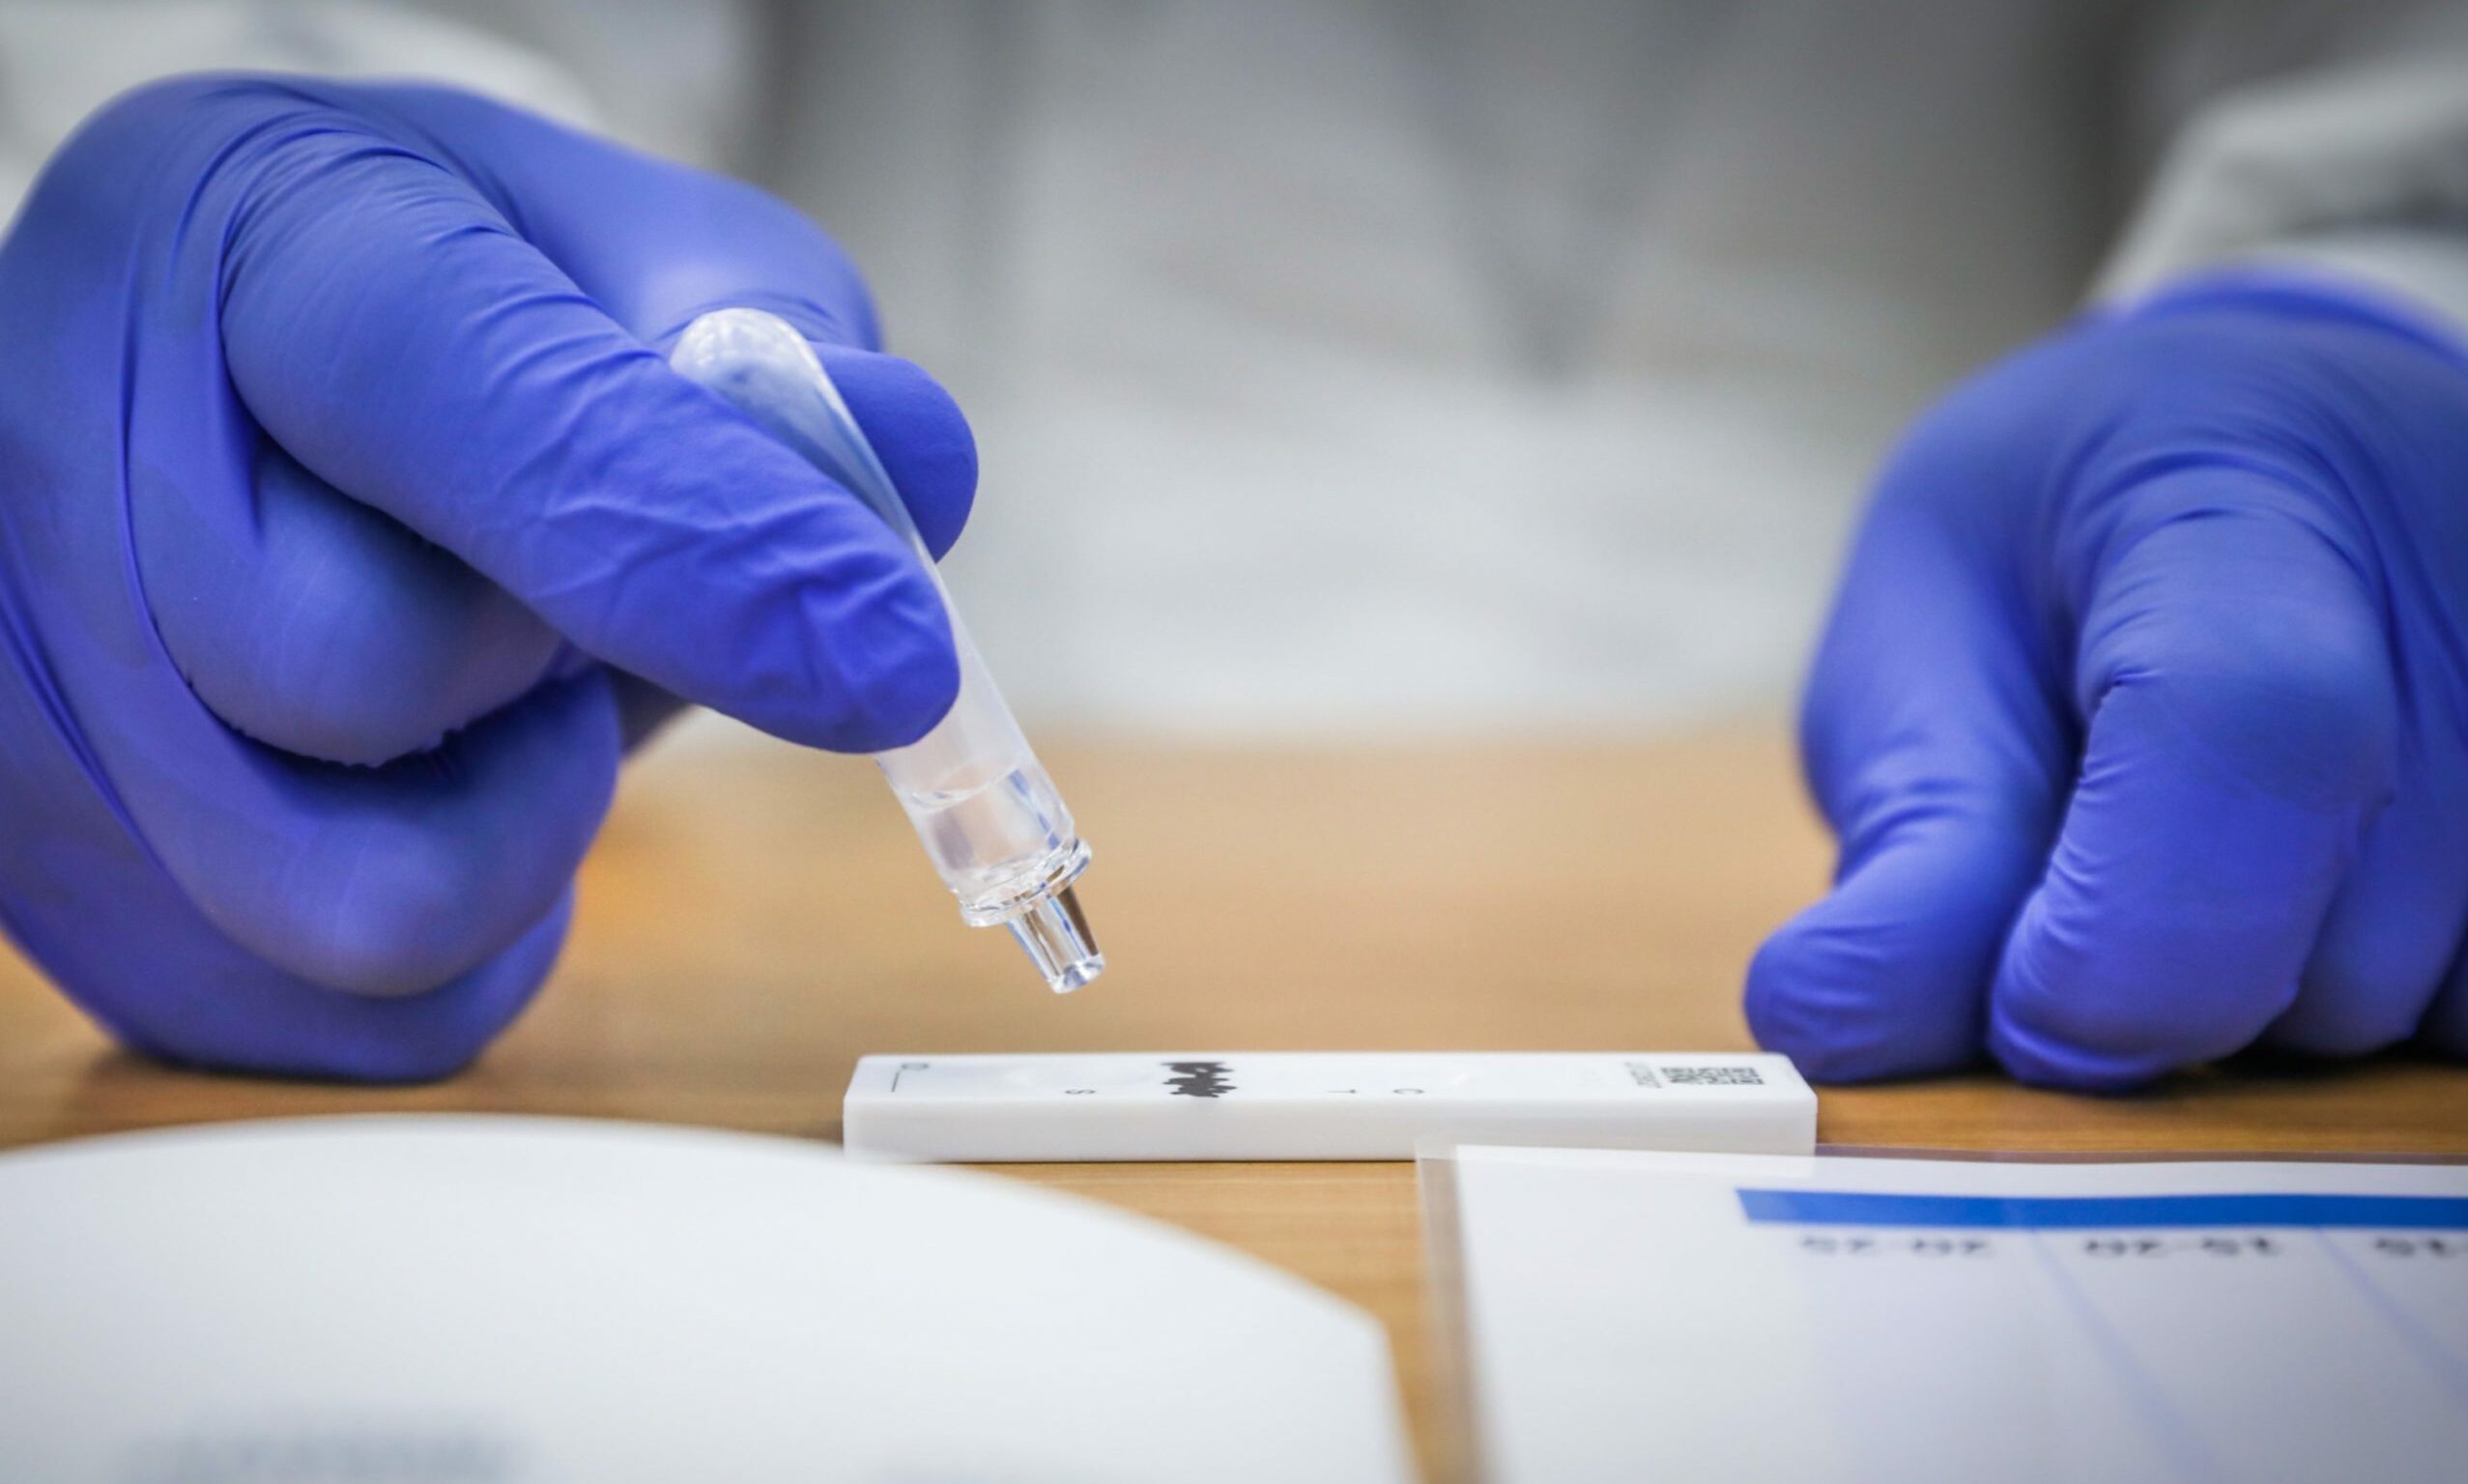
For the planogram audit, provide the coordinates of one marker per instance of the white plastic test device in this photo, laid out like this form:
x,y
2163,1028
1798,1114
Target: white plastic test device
x,y
991,821
1319,1104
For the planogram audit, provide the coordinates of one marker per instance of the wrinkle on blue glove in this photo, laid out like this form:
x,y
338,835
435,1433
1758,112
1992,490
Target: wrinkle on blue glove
x,y
2142,714
357,525
337,593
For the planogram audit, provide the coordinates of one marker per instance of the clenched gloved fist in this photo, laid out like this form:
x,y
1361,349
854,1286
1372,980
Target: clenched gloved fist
x,y
2142,715
353,524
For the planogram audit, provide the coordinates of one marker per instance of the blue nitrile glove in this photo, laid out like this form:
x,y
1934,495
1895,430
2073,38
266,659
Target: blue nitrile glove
x,y
2142,715
352,527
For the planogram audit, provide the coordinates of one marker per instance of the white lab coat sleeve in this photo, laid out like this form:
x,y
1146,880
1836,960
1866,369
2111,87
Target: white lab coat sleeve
x,y
2356,168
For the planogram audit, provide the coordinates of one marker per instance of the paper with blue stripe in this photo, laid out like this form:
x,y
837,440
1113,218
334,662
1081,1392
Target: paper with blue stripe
x,y
1640,1315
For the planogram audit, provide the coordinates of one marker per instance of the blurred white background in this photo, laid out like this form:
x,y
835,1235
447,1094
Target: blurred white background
x,y
1365,367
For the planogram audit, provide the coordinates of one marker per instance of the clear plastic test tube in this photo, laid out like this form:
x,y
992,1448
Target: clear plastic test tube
x,y
997,832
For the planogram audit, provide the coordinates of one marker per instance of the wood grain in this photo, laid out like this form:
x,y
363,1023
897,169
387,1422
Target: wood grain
x,y
753,921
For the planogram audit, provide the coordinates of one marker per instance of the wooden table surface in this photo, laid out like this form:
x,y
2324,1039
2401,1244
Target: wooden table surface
x,y
754,920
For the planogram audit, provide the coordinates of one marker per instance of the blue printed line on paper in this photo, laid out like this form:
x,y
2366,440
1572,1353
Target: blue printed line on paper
x,y
1865,1207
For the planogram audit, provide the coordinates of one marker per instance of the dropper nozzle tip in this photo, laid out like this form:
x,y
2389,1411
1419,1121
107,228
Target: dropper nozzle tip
x,y
1054,933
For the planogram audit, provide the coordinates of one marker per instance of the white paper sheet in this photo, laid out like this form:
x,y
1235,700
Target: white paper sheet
x,y
1733,1318
516,1300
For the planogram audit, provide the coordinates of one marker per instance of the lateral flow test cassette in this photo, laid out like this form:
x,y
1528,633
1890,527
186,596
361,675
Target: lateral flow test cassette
x,y
1319,1104
990,819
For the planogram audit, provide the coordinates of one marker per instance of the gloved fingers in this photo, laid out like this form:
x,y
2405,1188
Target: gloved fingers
x,y
1937,754
397,337
1885,975
917,430
655,244
394,880
2242,726
252,1018
643,708
359,643
2396,927
2444,1026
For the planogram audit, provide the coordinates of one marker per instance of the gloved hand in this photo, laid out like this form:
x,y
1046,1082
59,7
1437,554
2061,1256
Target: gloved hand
x,y
2142,715
352,528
